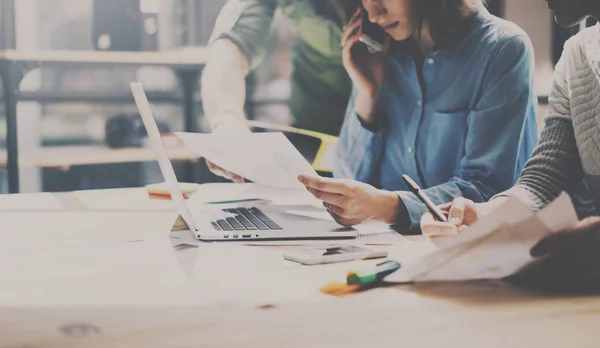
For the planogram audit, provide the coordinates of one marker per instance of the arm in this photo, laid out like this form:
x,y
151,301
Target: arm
x,y
361,139
237,45
495,126
555,165
359,149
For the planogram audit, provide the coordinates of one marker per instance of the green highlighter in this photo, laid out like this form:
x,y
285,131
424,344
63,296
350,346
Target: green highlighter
x,y
377,274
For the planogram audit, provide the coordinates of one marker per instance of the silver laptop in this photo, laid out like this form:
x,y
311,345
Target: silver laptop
x,y
231,222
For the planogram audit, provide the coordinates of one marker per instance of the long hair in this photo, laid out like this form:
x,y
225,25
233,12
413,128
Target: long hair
x,y
448,20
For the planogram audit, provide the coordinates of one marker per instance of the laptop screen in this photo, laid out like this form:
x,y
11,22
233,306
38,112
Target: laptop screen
x,y
163,158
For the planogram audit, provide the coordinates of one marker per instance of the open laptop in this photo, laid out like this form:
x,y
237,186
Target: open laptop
x,y
231,222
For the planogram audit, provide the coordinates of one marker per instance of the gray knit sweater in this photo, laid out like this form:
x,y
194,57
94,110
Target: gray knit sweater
x,y
569,146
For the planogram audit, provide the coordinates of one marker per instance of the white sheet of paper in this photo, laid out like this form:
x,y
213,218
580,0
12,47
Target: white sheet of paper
x,y
268,159
138,273
493,248
29,202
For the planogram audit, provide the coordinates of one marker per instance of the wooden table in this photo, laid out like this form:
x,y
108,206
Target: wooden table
x,y
477,314
491,315
15,64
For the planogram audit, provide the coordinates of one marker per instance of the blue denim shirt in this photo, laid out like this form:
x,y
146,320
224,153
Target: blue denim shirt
x,y
467,133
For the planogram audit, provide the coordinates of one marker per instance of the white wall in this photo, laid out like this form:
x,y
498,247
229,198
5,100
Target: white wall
x,y
535,18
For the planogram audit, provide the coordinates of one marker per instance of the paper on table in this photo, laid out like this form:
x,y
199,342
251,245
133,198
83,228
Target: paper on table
x,y
143,273
268,159
494,249
29,202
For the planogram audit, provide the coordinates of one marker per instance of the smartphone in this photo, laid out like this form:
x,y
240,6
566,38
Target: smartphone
x,y
324,255
373,35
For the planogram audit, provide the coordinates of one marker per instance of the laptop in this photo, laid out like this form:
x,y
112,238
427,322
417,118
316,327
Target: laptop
x,y
238,221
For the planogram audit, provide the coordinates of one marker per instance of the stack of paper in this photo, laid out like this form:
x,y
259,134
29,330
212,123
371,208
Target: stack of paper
x,y
496,246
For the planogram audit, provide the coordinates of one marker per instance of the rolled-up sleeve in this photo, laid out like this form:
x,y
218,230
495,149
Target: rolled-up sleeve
x,y
359,151
495,144
247,23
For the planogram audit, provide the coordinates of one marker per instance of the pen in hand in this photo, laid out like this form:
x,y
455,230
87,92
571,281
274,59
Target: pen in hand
x,y
414,188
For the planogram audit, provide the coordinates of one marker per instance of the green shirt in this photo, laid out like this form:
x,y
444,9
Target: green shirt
x,y
320,85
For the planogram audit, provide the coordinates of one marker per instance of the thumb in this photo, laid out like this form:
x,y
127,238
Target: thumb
x,y
456,213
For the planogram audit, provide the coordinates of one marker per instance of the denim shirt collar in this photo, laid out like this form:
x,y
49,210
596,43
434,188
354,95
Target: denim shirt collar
x,y
455,50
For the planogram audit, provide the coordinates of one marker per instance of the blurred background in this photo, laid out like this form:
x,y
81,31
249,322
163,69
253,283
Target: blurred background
x,y
80,111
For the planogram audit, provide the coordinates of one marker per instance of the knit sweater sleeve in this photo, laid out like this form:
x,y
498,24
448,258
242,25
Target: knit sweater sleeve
x,y
555,165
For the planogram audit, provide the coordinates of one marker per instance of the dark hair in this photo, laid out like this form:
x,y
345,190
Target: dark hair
x,y
448,20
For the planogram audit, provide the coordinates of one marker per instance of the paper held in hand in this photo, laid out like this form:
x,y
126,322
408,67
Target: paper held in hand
x,y
268,159
496,246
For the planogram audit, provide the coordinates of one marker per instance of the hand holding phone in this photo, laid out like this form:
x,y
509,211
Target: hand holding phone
x,y
365,60
372,35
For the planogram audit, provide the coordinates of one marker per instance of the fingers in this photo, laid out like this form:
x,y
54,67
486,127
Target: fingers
x,y
236,178
355,17
462,212
353,26
215,169
331,198
432,228
586,224
326,185
343,221
456,213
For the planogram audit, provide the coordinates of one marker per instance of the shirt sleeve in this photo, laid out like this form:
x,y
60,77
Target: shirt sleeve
x,y
495,128
247,23
555,165
359,151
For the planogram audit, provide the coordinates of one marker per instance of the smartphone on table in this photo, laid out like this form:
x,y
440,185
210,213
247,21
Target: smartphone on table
x,y
333,254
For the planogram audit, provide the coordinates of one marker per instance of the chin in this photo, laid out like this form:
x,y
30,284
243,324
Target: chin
x,y
567,21
400,36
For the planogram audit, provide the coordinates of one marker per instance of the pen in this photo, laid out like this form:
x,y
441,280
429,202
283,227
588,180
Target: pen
x,y
414,188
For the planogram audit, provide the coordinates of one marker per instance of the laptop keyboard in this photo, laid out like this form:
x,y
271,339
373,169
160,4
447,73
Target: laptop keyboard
x,y
245,219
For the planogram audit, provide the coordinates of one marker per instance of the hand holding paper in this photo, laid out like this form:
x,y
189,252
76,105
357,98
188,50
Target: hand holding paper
x,y
496,246
571,258
268,159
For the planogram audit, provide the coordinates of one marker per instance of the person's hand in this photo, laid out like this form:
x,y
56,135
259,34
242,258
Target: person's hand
x,y
461,213
365,69
351,202
215,169
228,128
571,258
